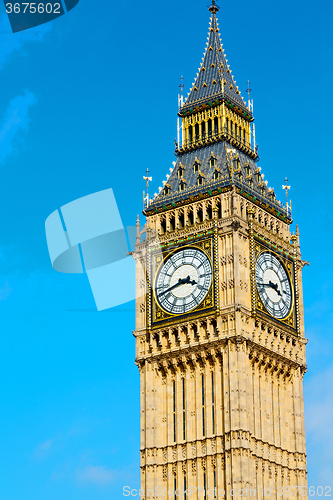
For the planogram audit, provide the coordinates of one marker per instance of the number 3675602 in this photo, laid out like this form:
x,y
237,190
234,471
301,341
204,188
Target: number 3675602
x,y
33,8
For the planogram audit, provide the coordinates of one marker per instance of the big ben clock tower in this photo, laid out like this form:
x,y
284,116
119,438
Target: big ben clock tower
x,y
219,333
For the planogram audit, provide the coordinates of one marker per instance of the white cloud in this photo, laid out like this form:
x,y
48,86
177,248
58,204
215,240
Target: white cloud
x,y
14,122
42,450
94,475
11,43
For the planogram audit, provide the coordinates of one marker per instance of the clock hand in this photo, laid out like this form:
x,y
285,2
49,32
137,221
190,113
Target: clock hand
x,y
188,282
275,287
181,281
272,285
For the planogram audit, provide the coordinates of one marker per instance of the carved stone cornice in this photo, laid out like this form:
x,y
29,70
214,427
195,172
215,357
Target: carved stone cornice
x,y
273,238
183,232
239,440
209,350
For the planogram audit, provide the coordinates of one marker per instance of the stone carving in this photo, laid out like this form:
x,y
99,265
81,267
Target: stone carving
x,y
213,445
235,225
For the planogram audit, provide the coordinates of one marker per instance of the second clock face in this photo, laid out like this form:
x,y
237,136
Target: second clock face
x,y
273,285
183,281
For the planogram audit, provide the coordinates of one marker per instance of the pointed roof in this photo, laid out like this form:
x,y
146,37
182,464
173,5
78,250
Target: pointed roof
x,y
241,172
214,78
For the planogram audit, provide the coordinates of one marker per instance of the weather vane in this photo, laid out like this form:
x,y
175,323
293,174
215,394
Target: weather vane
x,y
286,187
248,90
146,178
181,84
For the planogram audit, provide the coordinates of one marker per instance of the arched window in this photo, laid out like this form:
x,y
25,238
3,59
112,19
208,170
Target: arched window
x,y
172,223
212,161
190,216
196,131
163,225
209,128
190,133
216,126
203,131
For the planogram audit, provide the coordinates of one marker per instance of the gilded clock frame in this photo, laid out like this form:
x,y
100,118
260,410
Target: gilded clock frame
x,y
258,306
160,317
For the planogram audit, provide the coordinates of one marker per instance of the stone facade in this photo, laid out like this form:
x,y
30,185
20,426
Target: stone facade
x,y
221,392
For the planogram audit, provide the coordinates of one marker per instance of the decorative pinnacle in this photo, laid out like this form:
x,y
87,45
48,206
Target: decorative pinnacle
x,y
213,8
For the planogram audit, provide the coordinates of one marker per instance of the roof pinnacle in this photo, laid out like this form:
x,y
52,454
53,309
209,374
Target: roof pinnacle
x,y
213,8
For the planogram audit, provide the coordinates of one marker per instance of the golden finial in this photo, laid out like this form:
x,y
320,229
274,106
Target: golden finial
x,y
213,8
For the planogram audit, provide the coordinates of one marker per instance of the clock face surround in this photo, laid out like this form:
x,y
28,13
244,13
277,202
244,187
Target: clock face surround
x,y
183,281
273,285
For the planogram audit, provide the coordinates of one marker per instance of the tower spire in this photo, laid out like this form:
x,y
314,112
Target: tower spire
x,y
213,8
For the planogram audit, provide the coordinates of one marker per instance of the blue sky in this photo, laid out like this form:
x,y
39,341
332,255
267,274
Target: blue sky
x,y
89,102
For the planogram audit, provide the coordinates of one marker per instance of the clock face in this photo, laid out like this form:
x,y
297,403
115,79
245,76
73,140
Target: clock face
x,y
183,281
273,285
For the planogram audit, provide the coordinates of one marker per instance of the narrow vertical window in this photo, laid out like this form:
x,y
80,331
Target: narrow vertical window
x,y
209,128
203,404
174,410
184,413
216,125
203,130
175,487
213,405
214,483
205,489
185,496
196,131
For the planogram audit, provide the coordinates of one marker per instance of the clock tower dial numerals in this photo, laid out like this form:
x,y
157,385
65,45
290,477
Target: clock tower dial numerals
x,y
183,281
273,285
